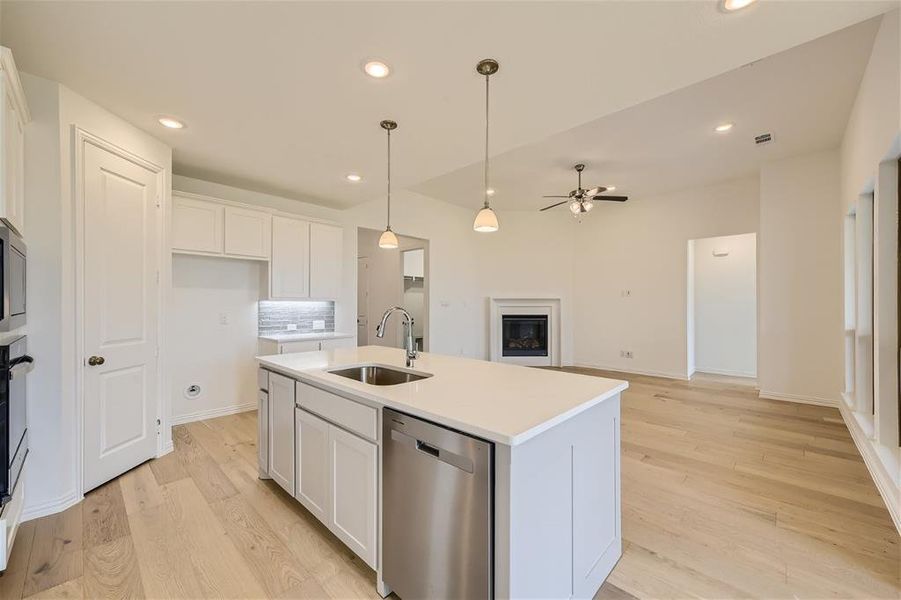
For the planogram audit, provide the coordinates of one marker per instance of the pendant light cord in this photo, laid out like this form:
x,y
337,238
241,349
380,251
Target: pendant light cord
x,y
487,78
389,180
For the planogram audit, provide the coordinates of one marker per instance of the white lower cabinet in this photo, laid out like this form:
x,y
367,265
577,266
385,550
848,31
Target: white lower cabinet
x,y
312,441
337,478
281,431
354,469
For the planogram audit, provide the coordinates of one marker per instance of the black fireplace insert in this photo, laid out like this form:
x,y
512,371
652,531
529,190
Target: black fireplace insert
x,y
524,335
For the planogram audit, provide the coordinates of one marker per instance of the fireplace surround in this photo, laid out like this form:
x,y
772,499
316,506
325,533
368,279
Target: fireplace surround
x,y
524,330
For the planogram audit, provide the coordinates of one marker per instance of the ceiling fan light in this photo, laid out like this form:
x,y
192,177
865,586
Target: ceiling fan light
x,y
388,240
575,207
486,221
588,205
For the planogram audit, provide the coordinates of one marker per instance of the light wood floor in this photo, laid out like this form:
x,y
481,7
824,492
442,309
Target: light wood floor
x,y
724,496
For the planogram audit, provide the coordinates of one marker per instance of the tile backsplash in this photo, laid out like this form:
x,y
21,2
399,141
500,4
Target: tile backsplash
x,y
275,316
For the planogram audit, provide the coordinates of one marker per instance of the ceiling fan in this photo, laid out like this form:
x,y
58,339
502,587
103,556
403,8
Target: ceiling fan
x,y
581,200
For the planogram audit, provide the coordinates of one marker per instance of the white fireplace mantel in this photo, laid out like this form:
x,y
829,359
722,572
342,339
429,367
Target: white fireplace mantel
x,y
499,306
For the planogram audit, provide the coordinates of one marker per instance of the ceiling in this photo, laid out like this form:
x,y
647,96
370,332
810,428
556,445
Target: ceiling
x,y
802,96
275,99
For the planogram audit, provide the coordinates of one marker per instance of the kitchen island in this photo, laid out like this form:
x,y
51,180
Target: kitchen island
x,y
555,481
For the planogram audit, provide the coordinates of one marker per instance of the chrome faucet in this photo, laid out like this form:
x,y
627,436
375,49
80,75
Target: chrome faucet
x,y
409,344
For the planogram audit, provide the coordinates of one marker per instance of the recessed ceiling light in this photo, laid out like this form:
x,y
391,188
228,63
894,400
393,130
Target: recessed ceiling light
x,y
723,128
490,191
377,69
171,123
353,177
732,5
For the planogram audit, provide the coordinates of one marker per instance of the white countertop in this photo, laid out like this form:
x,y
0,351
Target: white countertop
x,y
504,403
288,336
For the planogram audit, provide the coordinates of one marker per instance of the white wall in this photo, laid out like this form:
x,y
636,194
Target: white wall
x,y
641,247
800,279
725,305
872,133
50,235
205,351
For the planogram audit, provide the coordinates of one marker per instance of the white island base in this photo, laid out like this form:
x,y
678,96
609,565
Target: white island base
x,y
556,492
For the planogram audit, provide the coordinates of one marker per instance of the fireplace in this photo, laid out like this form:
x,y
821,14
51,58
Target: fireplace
x,y
524,335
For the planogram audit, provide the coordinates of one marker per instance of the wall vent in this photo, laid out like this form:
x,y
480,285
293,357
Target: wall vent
x,y
763,138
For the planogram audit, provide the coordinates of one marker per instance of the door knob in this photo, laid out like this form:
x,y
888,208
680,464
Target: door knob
x,y
96,361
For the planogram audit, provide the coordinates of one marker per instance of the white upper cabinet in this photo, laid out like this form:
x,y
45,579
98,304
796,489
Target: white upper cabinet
x,y
13,118
326,245
197,225
247,232
289,277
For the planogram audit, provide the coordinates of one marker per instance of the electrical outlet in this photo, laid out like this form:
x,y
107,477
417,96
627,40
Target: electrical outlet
x,y
223,318
291,327
625,354
319,324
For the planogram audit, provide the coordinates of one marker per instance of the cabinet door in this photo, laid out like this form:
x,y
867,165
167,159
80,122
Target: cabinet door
x,y
196,225
353,478
281,431
289,347
326,244
263,433
247,232
12,209
312,435
290,267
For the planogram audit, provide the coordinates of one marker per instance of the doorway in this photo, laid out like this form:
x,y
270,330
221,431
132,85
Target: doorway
x,y
722,306
118,237
387,278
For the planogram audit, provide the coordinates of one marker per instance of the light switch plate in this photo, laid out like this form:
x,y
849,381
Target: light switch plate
x,y
320,324
292,327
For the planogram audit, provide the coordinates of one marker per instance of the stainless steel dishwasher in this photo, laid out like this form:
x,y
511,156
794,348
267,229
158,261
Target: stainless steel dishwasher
x,y
437,510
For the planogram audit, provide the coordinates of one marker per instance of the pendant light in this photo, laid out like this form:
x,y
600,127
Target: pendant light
x,y
486,220
388,240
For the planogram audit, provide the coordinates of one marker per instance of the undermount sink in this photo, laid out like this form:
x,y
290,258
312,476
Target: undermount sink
x,y
379,375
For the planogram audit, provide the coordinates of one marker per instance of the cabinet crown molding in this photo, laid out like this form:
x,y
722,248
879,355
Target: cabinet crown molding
x,y
8,66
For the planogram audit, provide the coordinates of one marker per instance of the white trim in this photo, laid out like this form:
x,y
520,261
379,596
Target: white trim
x,y
727,372
8,66
620,369
800,398
212,413
80,138
51,507
256,207
876,465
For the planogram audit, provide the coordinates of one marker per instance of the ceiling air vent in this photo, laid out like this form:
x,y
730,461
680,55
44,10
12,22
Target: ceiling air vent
x,y
763,138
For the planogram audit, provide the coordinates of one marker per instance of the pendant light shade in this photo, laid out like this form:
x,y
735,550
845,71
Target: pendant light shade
x,y
388,240
486,220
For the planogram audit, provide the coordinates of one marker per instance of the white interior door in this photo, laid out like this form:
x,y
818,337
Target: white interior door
x,y
121,242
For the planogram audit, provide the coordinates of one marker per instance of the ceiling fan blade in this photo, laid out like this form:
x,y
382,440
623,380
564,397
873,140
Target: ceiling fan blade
x,y
611,198
555,196
553,205
595,191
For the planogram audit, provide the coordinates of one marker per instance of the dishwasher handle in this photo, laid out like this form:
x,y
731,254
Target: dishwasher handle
x,y
446,456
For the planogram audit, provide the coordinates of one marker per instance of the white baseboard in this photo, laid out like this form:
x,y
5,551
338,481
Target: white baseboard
x,y
726,372
212,413
679,376
51,507
880,471
800,398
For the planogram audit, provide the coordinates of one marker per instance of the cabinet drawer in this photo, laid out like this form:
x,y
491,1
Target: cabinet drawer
x,y
289,347
263,379
350,415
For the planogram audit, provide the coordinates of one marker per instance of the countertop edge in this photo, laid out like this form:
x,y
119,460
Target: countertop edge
x,y
303,337
309,377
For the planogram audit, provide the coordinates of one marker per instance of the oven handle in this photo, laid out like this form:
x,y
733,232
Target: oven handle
x,y
21,366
